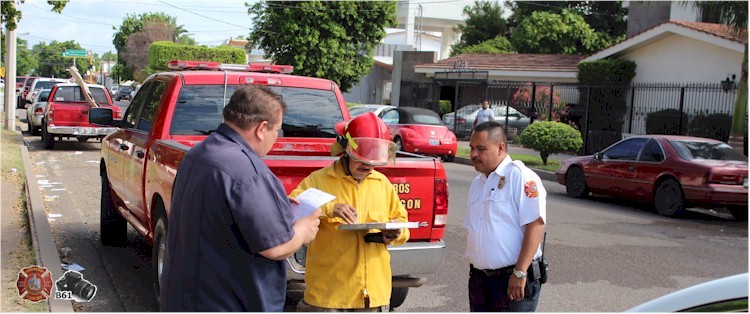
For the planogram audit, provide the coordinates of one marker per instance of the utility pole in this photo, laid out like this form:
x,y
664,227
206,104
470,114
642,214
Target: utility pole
x,y
10,77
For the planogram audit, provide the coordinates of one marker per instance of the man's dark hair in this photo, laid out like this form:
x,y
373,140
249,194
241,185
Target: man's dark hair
x,y
495,131
251,104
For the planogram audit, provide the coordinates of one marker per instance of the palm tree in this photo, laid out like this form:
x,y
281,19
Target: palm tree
x,y
734,15
178,30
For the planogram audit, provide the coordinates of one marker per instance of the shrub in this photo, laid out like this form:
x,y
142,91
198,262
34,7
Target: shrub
x,y
715,126
549,137
161,52
445,107
665,121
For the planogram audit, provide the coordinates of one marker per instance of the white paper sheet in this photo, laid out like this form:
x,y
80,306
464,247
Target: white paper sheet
x,y
310,200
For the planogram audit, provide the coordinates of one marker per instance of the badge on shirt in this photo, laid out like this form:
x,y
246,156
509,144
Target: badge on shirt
x,y
501,183
530,189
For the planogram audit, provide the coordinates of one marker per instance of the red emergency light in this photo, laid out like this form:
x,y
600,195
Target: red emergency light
x,y
183,65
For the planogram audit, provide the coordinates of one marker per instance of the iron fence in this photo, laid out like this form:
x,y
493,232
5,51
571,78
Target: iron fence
x,y
603,114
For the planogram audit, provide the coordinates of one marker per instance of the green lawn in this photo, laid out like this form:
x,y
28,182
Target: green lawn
x,y
533,161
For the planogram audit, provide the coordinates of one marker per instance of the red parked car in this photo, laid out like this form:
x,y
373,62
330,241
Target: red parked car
x,y
671,172
419,130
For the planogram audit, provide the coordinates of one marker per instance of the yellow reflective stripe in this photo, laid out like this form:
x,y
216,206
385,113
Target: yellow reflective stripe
x,y
352,143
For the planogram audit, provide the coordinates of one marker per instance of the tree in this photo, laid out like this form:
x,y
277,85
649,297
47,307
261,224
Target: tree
x,y
53,64
498,44
11,15
109,56
185,39
133,23
549,137
564,33
734,15
120,72
327,39
484,21
607,18
136,53
26,63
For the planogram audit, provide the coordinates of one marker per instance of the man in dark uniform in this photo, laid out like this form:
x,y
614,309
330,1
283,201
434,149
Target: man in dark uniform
x,y
231,224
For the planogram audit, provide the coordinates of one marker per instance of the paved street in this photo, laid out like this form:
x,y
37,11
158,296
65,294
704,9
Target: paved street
x,y
605,256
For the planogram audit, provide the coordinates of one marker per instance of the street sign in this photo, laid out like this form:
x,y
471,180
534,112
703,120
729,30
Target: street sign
x,y
74,53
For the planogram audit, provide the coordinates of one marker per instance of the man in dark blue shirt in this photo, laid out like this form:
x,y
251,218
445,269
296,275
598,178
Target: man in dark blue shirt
x,y
231,224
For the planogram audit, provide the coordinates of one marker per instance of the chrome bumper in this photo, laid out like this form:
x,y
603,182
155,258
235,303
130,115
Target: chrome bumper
x,y
410,259
79,130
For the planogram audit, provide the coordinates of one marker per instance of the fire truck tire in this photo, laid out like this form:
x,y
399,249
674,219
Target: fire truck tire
x,y
113,228
48,140
398,296
159,250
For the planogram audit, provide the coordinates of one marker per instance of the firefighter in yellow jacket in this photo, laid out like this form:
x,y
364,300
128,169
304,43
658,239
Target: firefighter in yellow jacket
x,y
343,271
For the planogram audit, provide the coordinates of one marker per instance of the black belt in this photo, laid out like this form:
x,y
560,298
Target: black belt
x,y
508,270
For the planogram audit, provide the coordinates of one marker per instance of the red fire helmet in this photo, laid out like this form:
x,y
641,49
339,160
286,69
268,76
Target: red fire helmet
x,y
366,139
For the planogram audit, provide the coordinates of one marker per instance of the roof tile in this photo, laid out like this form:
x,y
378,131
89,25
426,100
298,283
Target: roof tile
x,y
512,62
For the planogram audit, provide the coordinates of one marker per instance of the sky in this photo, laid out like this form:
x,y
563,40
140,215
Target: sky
x,y
93,23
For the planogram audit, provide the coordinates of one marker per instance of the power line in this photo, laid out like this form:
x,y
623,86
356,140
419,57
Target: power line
x,y
203,16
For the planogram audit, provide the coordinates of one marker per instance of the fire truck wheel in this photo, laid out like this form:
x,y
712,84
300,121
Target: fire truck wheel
x,y
159,250
113,228
48,140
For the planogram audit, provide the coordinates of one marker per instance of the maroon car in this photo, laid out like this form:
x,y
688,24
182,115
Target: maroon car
x,y
671,172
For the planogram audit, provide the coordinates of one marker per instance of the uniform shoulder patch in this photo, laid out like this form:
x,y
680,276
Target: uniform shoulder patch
x,y
530,189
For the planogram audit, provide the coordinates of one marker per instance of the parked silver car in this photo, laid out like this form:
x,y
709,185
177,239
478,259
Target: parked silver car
x,y
516,121
35,111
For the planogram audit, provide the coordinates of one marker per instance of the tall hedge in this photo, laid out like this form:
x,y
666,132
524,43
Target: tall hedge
x,y
607,103
161,52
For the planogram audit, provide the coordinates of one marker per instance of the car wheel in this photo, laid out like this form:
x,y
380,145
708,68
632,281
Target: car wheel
x,y
82,139
48,140
158,251
399,144
113,228
29,127
398,296
449,158
668,198
575,183
739,212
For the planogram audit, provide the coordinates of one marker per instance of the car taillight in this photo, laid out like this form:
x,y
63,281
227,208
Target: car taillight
x,y
118,115
460,121
38,111
50,115
441,203
722,178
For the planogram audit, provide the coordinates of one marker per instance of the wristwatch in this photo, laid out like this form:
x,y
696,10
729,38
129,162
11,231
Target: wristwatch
x,y
519,274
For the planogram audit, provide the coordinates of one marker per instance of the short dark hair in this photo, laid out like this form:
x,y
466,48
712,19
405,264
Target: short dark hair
x,y
251,104
495,131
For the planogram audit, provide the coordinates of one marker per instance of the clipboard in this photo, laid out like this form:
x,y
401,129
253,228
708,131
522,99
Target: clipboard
x,y
379,225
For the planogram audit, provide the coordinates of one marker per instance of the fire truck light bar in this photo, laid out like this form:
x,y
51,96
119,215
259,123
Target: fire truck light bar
x,y
183,65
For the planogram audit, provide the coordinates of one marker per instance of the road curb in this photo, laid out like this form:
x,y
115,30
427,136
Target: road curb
x,y
41,233
544,175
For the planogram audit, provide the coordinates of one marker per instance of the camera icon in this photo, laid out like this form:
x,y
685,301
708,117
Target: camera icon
x,y
72,286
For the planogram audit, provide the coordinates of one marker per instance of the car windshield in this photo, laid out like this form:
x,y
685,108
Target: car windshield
x,y
355,111
74,94
698,150
426,119
309,112
20,79
126,89
43,95
45,84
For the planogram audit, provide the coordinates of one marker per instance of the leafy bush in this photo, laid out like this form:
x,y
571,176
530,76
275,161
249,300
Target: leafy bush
x,y
161,52
549,137
665,121
445,107
715,126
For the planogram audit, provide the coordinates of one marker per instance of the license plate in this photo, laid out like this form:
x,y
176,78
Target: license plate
x,y
434,142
